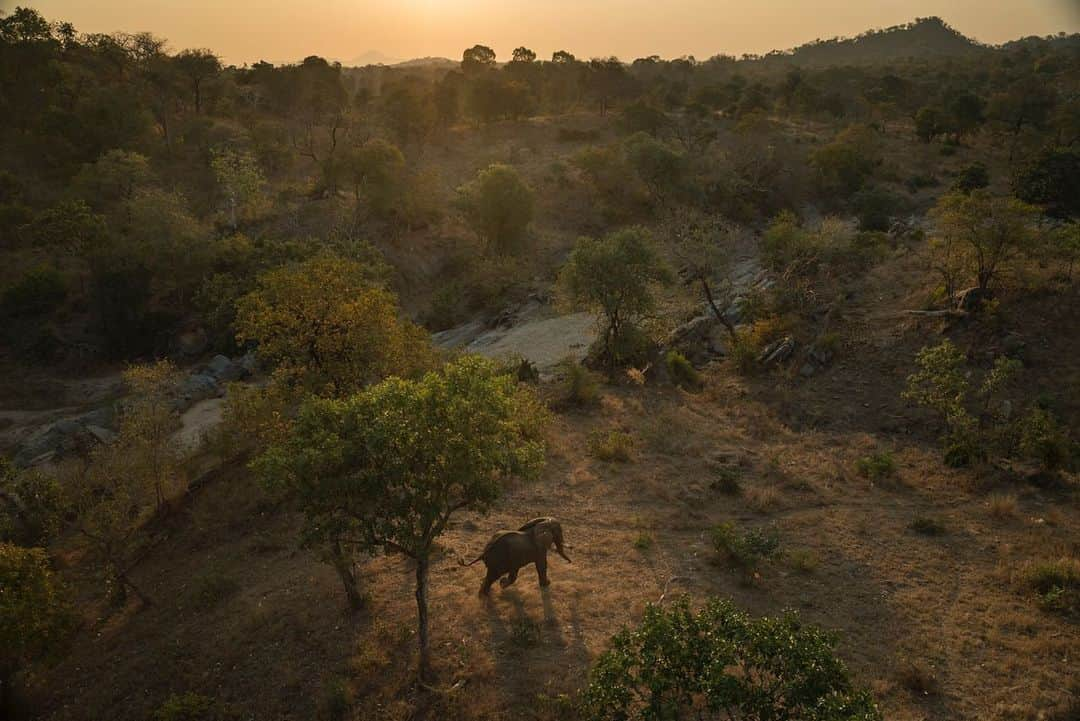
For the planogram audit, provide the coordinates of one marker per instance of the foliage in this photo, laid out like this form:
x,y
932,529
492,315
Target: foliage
x,y
1042,439
972,177
927,526
943,385
579,386
746,549
240,182
1057,582
979,237
328,329
387,468
660,168
875,208
677,664
35,617
377,172
31,506
614,276
188,706
39,292
847,162
1051,179
876,466
500,206
682,371
611,446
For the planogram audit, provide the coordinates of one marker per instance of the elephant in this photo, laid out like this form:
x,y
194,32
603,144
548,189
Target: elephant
x,y
508,551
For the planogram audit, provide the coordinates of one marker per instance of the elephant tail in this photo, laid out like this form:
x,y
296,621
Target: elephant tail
x,y
463,563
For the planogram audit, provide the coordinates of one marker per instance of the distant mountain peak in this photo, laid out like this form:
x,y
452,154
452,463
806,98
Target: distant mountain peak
x,y
923,37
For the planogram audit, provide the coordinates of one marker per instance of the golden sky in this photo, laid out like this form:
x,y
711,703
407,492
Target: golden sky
x,y
286,30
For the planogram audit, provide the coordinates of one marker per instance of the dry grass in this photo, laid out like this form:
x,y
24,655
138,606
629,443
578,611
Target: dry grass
x,y
763,499
1002,507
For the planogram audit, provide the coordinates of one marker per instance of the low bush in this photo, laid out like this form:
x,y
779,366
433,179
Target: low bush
x,y
39,292
927,526
1057,583
681,371
746,549
877,466
579,387
611,446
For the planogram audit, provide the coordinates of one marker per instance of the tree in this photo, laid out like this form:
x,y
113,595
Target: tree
x,y
846,163
499,205
113,492
614,276
386,469
196,66
965,113
658,166
240,182
477,59
523,55
701,248
328,328
1051,179
678,664
984,233
71,225
927,124
377,171
35,618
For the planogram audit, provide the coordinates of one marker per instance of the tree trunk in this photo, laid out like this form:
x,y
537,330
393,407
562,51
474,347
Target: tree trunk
x,y
348,578
719,314
422,617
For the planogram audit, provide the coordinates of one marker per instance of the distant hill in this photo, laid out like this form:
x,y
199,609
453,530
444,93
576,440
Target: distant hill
x,y
923,38
429,61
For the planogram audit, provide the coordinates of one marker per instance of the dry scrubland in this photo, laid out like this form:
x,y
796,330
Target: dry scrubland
x,y
939,622
952,591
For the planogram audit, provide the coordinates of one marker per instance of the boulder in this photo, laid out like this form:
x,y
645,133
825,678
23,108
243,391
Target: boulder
x,y
224,370
971,299
195,388
700,339
56,440
192,343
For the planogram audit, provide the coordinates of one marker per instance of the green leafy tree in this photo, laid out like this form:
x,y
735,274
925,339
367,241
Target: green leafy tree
x,y
1051,179
240,182
197,66
658,166
477,59
377,172
614,276
980,236
70,225
702,249
328,328
35,617
722,662
387,468
844,164
943,384
500,207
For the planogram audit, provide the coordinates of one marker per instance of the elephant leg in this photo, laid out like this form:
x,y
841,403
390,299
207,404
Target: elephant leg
x,y
510,578
485,587
541,572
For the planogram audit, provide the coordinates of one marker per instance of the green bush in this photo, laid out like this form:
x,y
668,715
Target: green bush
x,y
973,177
611,446
722,663
39,292
875,207
681,371
579,386
1057,583
726,481
746,549
500,206
927,526
1042,439
877,466
186,707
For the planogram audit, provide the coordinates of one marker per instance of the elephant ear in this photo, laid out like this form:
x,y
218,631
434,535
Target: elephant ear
x,y
543,535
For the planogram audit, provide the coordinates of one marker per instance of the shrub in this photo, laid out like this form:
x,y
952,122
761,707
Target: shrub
x,y
525,633
1042,439
927,526
681,371
877,466
943,385
746,549
1051,179
875,208
722,662
39,292
1057,582
973,177
611,446
31,506
189,706
500,206
803,560
643,542
1002,506
726,481
579,386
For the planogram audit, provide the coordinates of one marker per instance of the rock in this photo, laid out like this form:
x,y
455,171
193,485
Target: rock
x,y
249,362
56,440
195,388
777,351
102,435
224,370
808,369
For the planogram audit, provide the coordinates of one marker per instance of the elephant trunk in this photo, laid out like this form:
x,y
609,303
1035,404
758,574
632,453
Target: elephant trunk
x,y
559,546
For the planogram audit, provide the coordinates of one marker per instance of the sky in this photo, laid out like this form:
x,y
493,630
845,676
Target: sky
x,y
245,31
